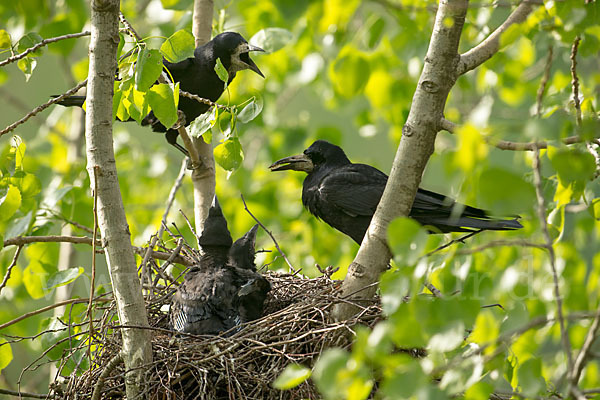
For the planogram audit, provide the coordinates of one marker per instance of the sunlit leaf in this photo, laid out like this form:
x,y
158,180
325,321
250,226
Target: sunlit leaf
x,y
291,376
486,329
251,111
27,65
10,201
407,240
229,154
327,368
34,278
161,99
178,46
572,164
148,68
63,277
5,41
203,123
271,39
530,377
177,4
221,71
350,71
6,355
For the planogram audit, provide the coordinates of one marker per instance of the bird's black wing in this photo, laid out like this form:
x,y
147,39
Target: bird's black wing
x,y
355,189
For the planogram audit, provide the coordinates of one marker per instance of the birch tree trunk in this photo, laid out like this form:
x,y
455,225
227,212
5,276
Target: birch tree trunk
x,y
203,178
137,350
418,137
442,67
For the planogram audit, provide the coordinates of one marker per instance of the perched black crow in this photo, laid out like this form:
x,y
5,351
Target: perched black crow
x,y
197,75
345,196
217,294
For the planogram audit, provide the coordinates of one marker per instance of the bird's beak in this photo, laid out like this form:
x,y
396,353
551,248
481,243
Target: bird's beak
x,y
251,234
298,162
251,65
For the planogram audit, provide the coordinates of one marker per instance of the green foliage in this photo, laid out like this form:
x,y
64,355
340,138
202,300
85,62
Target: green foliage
x,y
178,46
344,71
292,376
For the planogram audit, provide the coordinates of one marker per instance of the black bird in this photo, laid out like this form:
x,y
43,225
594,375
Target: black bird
x,y
345,195
216,295
197,75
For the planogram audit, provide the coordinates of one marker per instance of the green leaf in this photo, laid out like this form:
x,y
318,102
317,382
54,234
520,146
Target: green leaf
x,y
594,209
349,72
486,329
27,65
407,240
530,377
9,202
182,5
63,277
6,354
572,164
251,111
271,39
160,97
178,46
479,391
147,69
19,226
29,40
203,123
28,184
292,376
327,368
504,192
34,278
229,154
394,286
5,43
221,71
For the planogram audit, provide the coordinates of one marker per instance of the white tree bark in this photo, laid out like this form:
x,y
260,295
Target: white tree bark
x,y
419,132
203,178
137,350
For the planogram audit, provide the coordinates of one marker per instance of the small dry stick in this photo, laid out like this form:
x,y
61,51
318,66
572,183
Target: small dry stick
x,y
541,209
112,364
575,80
10,267
42,44
41,108
93,280
294,271
544,82
24,394
163,221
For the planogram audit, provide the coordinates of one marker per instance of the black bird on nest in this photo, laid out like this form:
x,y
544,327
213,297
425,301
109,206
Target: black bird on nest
x,y
345,195
196,75
224,289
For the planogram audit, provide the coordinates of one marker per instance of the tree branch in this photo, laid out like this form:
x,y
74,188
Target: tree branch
x,y
10,267
541,209
41,108
43,43
419,132
101,166
490,46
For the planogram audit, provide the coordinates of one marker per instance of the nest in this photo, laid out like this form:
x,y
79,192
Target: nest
x,y
296,328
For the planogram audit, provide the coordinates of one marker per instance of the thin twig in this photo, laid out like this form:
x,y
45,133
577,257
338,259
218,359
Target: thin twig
x,y
93,280
585,352
501,243
10,267
203,100
575,81
491,45
294,271
50,307
21,240
110,366
41,108
541,209
163,221
23,394
544,81
42,44
450,243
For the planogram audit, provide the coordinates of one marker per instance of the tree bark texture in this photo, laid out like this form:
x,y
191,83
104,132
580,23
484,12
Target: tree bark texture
x,y
437,78
137,350
203,178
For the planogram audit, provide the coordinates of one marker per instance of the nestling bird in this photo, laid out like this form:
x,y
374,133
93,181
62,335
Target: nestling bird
x,y
217,294
197,75
345,195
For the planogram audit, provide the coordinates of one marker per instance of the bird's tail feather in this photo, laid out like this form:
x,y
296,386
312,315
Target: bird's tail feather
x,y
468,224
71,101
